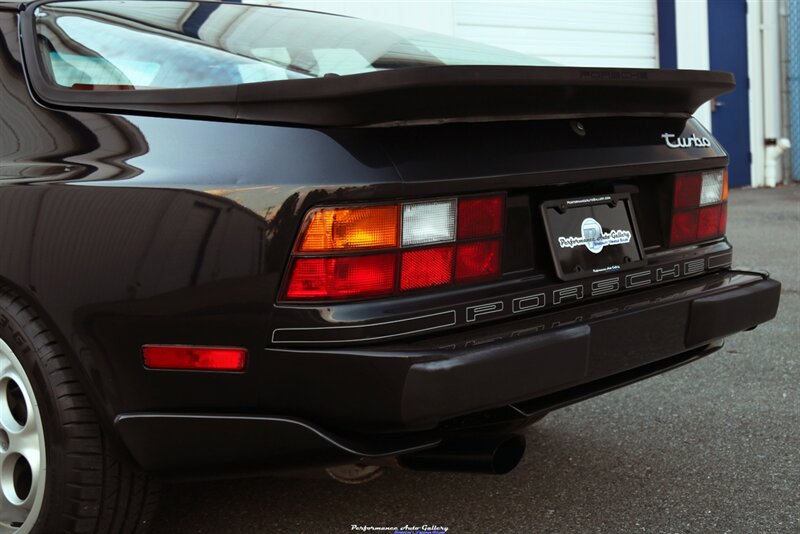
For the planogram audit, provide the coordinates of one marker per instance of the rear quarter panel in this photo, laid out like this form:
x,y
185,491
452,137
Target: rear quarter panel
x,y
127,230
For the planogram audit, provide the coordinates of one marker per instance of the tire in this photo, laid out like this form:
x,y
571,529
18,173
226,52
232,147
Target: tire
x,y
80,485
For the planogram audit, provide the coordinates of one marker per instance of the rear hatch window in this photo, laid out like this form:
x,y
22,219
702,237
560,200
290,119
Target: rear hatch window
x,y
116,45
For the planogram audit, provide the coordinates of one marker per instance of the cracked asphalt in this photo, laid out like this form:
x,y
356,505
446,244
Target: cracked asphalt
x,y
710,447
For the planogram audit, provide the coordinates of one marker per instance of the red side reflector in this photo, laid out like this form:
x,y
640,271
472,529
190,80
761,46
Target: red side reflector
x,y
194,358
427,268
684,228
708,222
476,261
480,217
687,191
349,276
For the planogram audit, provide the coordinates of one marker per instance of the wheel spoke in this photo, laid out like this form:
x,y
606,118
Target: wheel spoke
x,y
8,421
5,364
11,514
27,446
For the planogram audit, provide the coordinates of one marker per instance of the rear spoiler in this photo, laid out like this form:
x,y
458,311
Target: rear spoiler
x,y
421,95
441,94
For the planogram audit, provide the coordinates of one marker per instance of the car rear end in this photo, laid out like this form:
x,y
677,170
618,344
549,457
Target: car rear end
x,y
446,279
441,250
472,298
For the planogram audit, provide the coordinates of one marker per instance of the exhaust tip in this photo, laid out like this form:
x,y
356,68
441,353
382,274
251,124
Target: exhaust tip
x,y
491,454
508,454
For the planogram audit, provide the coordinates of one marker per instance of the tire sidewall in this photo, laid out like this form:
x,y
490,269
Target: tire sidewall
x,y
21,343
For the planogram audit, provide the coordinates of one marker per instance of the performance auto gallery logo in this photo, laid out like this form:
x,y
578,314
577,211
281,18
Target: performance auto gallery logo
x,y
405,529
594,238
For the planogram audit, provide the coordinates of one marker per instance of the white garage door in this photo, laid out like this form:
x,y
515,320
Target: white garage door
x,y
569,32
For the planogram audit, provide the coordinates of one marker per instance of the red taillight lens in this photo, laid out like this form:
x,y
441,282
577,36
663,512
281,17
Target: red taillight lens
x,y
478,261
344,277
708,222
337,256
699,207
194,358
426,268
480,217
684,228
687,191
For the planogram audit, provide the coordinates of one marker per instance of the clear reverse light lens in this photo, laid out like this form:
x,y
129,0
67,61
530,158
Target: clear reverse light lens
x,y
429,222
711,191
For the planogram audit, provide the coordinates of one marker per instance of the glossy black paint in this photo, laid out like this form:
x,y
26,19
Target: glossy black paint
x,y
441,386
127,229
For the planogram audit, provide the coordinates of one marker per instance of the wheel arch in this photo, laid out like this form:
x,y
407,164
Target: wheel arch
x,y
71,349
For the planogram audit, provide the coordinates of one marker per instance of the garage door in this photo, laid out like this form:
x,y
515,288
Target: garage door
x,y
599,34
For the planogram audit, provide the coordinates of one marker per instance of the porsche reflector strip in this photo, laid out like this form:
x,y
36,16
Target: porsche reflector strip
x,y
532,301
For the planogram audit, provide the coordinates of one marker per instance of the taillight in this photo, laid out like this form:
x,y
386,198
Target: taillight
x,y
479,217
478,261
427,267
373,251
331,229
699,207
342,277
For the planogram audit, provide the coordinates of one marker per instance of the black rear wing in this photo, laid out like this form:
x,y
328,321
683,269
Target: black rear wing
x,y
444,94
416,95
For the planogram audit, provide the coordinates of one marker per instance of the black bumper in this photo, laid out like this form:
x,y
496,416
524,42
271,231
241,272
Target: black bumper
x,y
608,341
410,394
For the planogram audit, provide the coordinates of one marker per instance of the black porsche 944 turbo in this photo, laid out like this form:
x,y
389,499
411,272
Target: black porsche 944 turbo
x,y
237,239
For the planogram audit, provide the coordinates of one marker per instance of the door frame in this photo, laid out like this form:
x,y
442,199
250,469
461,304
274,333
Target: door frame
x,y
756,94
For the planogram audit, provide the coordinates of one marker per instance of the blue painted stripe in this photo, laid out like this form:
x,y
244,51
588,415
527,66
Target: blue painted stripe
x,y
199,16
794,83
667,44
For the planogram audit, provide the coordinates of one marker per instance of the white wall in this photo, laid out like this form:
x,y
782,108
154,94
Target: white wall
x,y
435,16
606,33
691,33
764,71
771,78
558,30
611,33
756,96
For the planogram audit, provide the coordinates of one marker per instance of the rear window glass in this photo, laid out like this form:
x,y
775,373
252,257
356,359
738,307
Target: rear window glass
x,y
147,44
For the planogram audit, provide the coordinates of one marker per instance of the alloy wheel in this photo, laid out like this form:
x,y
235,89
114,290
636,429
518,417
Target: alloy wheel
x,y
22,448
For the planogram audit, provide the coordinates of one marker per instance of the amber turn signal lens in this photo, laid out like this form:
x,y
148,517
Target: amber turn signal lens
x,y
725,186
338,229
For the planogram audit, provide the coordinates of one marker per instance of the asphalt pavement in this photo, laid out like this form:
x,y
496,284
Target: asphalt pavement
x,y
711,447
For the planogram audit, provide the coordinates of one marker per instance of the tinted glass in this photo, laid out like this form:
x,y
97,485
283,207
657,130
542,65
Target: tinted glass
x,y
151,44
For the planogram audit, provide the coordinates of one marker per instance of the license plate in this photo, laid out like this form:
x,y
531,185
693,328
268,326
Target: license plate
x,y
593,235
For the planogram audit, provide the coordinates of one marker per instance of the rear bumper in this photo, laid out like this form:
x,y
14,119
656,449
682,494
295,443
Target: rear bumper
x,y
606,342
394,399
